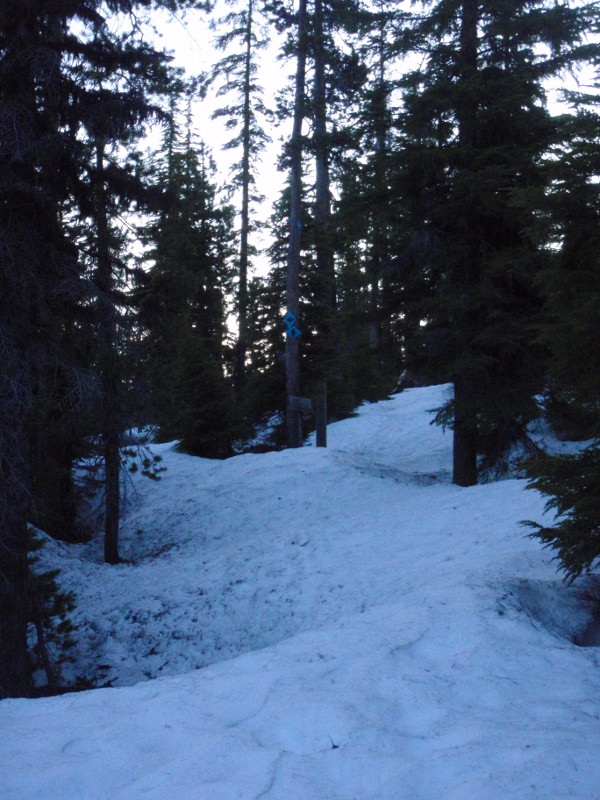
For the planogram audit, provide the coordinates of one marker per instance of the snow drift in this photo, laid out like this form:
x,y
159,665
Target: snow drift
x,y
340,624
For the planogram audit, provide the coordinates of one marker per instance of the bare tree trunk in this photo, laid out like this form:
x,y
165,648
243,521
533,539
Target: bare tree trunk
x,y
465,442
325,263
292,350
108,367
242,343
379,210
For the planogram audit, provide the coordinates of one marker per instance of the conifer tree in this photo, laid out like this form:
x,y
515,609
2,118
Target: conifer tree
x,y
482,92
47,105
329,88
115,187
182,301
571,286
36,259
377,123
368,211
245,115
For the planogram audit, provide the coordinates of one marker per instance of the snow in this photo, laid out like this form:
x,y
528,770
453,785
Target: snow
x,y
339,624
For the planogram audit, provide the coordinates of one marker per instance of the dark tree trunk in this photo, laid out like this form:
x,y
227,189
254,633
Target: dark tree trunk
x,y
465,441
379,206
242,343
108,366
466,275
292,350
52,487
24,216
325,263
15,667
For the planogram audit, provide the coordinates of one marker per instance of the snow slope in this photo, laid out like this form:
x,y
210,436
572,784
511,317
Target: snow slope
x,y
339,624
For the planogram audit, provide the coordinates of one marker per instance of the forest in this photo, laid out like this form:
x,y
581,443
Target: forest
x,y
439,223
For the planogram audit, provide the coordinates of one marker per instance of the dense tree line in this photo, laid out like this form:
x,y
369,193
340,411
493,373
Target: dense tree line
x,y
438,219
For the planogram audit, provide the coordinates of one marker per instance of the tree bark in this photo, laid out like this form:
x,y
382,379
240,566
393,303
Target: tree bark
x,y
379,213
15,667
108,367
292,349
466,277
325,263
242,343
465,440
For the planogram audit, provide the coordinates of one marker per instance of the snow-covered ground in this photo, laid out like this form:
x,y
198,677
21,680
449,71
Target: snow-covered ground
x,y
340,624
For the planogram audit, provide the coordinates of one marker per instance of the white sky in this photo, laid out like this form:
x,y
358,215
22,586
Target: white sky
x,y
191,41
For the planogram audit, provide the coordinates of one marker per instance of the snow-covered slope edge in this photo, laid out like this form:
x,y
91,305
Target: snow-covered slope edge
x,y
420,644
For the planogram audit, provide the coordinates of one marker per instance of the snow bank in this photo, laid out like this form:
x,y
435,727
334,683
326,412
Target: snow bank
x,y
335,624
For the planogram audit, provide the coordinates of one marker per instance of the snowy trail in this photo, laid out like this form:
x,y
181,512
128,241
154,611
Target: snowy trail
x,y
367,631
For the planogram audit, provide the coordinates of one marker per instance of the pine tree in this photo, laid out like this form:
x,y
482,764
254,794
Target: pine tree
x,y
39,271
182,301
376,118
483,92
367,212
116,119
328,92
572,485
237,75
47,105
571,286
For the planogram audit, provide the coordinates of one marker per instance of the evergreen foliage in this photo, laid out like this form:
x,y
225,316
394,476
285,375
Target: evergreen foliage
x,y
245,36
51,631
571,287
572,484
477,120
54,115
182,301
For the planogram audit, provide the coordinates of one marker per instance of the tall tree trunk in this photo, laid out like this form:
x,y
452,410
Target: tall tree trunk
x,y
379,206
325,263
292,350
465,442
108,366
242,343
15,667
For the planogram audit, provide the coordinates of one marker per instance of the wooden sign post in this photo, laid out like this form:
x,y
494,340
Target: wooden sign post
x,y
321,414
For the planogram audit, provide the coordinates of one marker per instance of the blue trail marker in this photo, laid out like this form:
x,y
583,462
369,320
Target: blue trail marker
x,y
290,323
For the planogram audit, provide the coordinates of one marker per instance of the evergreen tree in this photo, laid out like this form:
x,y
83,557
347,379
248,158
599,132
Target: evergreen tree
x,y
368,212
114,186
572,484
333,82
47,105
37,264
481,95
237,74
571,286
182,302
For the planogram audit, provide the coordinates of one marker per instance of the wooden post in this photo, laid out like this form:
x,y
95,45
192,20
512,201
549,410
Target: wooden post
x,y
321,414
